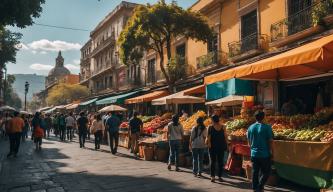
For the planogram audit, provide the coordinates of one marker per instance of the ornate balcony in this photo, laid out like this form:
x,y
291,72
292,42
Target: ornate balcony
x,y
298,26
249,46
108,41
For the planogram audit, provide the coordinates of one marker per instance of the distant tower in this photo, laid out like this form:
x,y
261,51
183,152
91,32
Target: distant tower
x,y
57,72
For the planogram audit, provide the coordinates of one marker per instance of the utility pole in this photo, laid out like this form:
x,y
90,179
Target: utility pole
x,y
26,90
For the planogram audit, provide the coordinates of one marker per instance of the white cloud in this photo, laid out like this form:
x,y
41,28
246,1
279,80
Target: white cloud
x,y
34,52
22,46
76,61
40,67
46,45
72,67
43,52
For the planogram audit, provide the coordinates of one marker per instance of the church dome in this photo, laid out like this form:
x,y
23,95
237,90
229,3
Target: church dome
x,y
59,69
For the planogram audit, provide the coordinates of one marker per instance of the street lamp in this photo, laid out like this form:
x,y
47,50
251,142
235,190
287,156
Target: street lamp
x,y
26,90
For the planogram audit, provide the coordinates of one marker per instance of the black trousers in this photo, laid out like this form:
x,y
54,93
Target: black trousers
x,y
98,139
62,130
14,142
82,137
216,156
261,169
114,138
70,133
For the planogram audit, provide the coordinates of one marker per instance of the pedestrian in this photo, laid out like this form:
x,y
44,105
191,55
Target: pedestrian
x,y
97,128
82,123
184,114
14,131
70,124
25,128
135,126
90,119
55,122
62,127
197,145
260,137
48,124
175,137
38,130
112,124
217,144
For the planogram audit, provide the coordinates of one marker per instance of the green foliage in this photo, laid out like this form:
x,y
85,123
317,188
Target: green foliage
x,y
152,27
8,46
176,68
320,11
63,93
11,97
19,12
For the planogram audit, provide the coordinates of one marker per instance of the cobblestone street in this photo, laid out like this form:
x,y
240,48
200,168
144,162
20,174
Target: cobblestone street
x,y
65,167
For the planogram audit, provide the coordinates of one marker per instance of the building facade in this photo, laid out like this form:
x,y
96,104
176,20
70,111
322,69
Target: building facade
x,y
101,69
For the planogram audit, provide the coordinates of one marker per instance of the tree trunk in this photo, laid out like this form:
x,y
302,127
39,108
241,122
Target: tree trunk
x,y
166,75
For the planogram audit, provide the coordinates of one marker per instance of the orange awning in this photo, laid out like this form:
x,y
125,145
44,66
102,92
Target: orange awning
x,y
311,59
147,97
195,90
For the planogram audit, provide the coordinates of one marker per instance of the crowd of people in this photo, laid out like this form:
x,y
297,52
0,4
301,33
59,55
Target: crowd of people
x,y
214,138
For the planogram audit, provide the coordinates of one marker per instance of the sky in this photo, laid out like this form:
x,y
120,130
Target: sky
x,y
40,45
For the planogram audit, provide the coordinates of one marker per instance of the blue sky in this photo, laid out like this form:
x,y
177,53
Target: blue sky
x,y
41,44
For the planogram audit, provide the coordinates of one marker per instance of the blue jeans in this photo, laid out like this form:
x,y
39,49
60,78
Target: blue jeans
x,y
197,155
174,151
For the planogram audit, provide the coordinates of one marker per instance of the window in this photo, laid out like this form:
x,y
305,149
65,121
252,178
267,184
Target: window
x,y
249,31
212,46
110,81
295,6
181,50
151,71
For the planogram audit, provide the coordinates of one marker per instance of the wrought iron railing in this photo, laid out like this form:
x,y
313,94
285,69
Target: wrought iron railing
x,y
251,42
212,58
299,21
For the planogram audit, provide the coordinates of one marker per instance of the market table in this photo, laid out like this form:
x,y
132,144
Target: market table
x,y
305,163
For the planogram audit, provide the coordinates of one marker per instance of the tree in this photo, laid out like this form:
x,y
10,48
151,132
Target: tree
x,y
10,96
8,46
153,27
19,13
34,105
64,93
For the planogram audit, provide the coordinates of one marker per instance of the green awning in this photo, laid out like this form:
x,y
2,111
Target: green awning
x,y
88,102
119,99
229,87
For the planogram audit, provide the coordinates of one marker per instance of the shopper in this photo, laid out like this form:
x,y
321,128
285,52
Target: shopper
x,y
197,144
82,128
38,131
25,128
48,125
55,124
62,127
260,138
175,136
135,126
112,124
14,131
217,144
70,124
97,128
184,114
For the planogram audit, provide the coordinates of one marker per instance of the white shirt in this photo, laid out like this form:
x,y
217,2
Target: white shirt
x,y
70,121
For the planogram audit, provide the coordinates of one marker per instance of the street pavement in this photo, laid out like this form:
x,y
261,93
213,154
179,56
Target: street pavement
x,y
63,166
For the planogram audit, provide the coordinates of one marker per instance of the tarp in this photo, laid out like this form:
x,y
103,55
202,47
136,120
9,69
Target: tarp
x,y
112,108
147,97
311,59
201,89
72,106
230,100
306,163
44,109
120,99
91,101
229,87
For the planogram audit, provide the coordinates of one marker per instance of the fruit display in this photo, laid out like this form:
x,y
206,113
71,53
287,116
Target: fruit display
x,y
239,133
151,126
328,137
145,119
166,116
124,125
238,124
189,123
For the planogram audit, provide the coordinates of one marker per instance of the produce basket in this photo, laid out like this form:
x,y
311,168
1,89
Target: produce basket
x,y
148,153
161,154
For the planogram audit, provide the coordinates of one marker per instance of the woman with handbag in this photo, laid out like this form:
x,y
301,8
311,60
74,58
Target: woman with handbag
x,y
217,145
197,145
97,128
38,131
175,137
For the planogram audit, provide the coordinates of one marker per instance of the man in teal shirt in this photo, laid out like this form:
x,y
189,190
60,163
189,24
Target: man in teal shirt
x,y
260,137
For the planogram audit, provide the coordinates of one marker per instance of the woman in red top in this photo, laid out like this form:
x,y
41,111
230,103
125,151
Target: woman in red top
x,y
38,132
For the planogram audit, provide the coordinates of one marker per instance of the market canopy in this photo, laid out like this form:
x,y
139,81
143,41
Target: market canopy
x,y
177,98
116,99
147,97
72,106
112,108
44,109
230,100
7,108
311,59
88,102
201,89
